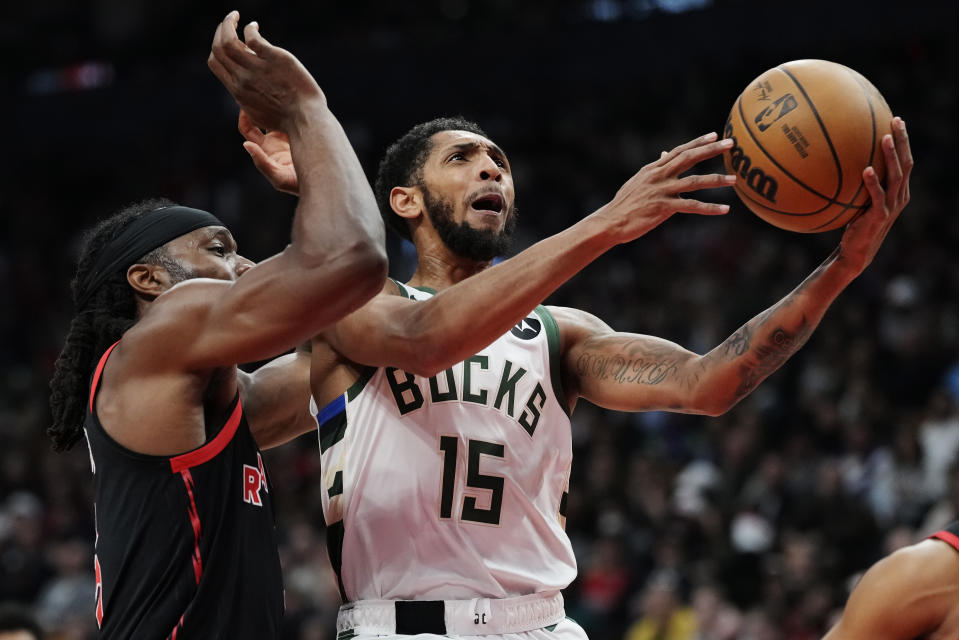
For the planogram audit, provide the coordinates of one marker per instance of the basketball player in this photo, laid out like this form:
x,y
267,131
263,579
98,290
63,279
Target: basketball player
x,y
912,593
185,542
443,404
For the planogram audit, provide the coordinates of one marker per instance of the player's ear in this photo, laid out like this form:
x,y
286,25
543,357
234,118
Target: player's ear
x,y
407,202
148,279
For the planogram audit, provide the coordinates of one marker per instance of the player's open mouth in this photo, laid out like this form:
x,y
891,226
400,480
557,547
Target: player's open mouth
x,y
491,203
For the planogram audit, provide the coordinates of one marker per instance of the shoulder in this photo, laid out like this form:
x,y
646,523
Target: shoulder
x,y
171,320
908,592
183,303
576,325
927,562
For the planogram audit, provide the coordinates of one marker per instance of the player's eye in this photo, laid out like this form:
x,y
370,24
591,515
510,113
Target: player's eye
x,y
218,249
456,156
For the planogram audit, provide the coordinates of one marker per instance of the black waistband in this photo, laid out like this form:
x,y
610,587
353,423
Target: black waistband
x,y
420,616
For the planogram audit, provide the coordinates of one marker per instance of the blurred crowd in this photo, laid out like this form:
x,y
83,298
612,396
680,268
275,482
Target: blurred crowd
x,y
750,526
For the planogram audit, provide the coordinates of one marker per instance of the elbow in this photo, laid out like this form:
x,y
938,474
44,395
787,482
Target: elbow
x,y
711,402
356,272
428,358
426,353
715,407
368,267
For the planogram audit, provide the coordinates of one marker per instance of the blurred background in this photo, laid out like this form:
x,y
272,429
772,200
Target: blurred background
x,y
753,525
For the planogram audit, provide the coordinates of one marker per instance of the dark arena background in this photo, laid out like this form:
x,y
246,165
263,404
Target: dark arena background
x,y
753,525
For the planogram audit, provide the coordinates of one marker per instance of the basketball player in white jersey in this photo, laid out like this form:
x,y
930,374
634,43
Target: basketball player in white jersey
x,y
443,404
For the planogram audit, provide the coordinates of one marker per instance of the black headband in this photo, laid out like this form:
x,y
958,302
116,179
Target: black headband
x,y
143,235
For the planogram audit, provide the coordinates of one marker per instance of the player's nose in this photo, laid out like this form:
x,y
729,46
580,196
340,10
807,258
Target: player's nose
x,y
243,265
489,170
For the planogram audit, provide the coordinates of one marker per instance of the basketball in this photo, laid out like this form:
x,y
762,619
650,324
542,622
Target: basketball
x,y
802,134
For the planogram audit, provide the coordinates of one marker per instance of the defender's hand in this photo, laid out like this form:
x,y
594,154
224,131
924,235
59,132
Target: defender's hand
x,y
268,82
866,232
653,194
271,155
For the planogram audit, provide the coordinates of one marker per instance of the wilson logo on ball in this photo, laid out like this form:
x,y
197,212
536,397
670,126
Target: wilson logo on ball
x,y
756,179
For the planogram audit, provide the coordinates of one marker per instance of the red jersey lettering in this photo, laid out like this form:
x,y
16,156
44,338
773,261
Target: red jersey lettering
x,y
252,482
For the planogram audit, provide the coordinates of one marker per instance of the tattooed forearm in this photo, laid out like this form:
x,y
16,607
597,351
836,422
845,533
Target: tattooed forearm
x,y
738,343
765,358
632,365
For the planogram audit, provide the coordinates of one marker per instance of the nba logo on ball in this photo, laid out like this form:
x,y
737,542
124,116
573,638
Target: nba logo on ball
x,y
802,134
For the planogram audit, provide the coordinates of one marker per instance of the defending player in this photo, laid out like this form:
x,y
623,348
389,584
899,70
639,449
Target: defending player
x,y
185,530
443,404
912,593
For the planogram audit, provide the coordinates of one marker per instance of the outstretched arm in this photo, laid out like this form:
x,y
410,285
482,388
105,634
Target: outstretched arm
x,y
335,260
632,372
426,337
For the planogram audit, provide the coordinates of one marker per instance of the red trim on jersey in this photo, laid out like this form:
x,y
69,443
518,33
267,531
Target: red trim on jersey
x,y
176,629
212,448
947,537
99,370
195,521
99,590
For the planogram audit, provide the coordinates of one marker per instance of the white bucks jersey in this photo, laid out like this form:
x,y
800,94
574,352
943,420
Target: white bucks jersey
x,y
454,486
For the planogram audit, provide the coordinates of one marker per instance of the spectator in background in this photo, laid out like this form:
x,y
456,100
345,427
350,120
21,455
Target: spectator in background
x,y
17,623
939,439
64,601
946,509
23,563
662,613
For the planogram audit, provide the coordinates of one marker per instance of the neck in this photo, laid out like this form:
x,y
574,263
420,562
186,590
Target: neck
x,y
438,268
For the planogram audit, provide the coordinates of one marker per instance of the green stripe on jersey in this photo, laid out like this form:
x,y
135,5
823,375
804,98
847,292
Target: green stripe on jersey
x,y
365,374
402,289
555,372
337,487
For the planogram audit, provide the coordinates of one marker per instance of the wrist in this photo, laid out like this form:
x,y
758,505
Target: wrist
x,y
600,227
306,114
842,269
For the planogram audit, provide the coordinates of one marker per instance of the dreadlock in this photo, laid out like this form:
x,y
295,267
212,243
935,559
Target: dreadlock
x,y
109,312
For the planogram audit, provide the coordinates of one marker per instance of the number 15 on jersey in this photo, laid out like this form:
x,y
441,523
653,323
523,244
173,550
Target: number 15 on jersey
x,y
449,446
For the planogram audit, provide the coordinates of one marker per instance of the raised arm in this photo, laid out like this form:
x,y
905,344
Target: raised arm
x,y
904,596
335,260
426,337
632,372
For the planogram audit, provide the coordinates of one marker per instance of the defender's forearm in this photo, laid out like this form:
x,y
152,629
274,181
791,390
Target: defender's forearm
x,y
470,315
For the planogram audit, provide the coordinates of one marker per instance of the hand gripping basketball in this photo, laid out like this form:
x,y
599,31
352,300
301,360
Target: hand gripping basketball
x,y
864,235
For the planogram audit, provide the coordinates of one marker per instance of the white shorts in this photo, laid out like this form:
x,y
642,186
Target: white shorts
x,y
565,629
537,616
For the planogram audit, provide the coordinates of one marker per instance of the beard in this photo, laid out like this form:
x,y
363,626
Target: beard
x,y
177,271
479,245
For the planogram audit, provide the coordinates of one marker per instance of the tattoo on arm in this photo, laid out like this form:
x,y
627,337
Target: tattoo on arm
x,y
632,364
739,342
765,358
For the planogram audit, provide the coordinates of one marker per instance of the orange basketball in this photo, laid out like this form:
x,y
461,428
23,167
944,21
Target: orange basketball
x,y
803,132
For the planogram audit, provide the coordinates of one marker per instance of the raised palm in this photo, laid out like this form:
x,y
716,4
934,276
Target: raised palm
x,y
271,155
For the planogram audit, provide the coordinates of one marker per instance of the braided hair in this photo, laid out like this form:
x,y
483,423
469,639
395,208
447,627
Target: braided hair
x,y
103,318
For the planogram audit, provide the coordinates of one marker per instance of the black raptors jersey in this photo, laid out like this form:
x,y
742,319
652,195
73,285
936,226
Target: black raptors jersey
x,y
186,546
949,535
